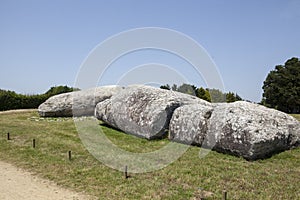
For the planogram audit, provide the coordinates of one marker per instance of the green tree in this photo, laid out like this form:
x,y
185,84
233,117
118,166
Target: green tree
x,y
203,94
217,96
174,87
211,95
282,87
237,97
166,87
230,97
187,89
59,90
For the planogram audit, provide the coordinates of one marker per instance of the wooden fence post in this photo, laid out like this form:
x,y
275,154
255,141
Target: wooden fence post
x,y
70,155
224,195
126,172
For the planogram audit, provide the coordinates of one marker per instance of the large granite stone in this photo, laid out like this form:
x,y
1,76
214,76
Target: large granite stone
x,y
79,103
240,128
143,111
189,124
252,131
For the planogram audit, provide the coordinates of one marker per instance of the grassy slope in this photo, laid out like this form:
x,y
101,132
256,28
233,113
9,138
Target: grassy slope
x,y
274,178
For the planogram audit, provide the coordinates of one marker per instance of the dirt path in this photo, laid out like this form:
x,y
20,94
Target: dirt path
x,y
17,184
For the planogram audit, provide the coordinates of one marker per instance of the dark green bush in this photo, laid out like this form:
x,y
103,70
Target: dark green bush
x,y
10,100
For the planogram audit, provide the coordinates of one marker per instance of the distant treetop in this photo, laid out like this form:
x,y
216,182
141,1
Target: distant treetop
x,y
211,95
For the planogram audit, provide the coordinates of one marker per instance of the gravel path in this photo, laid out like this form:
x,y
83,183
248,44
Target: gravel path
x,y
17,184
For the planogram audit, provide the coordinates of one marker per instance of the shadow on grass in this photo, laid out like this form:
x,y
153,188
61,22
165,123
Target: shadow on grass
x,y
164,136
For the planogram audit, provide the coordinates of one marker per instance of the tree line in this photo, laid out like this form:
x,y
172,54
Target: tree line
x,y
210,95
10,100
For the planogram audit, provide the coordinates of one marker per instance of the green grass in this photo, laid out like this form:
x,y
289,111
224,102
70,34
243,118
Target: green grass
x,y
297,116
274,178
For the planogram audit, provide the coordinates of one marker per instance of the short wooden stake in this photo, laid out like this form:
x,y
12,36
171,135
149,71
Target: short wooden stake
x,y
70,155
8,136
33,143
125,172
224,195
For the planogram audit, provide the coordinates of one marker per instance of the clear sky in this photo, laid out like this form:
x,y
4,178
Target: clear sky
x,y
43,43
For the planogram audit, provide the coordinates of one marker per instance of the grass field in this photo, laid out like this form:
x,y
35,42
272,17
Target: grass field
x,y
297,116
187,178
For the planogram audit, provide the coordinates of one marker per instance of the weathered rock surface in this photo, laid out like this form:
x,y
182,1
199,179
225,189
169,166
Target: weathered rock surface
x,y
253,131
79,103
143,110
240,128
189,124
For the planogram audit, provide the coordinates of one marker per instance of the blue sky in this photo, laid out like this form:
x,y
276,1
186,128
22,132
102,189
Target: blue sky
x,y
44,43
